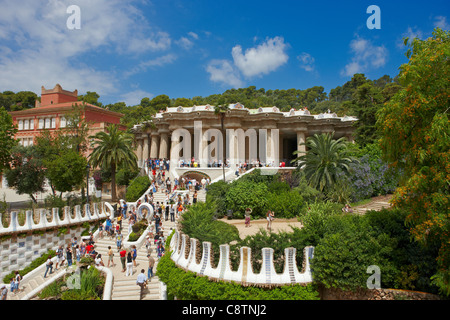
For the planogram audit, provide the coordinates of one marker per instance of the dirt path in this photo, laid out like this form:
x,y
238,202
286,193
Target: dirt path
x,y
255,225
377,203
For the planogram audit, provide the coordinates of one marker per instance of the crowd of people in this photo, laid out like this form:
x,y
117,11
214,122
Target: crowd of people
x,y
164,164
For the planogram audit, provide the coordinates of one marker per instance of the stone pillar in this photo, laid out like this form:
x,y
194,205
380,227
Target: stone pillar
x,y
145,148
301,138
154,150
139,151
164,145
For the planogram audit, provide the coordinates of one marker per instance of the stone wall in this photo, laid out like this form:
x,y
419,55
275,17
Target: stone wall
x,y
375,294
21,244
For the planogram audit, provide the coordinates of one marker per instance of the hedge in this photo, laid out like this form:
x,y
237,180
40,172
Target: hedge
x,y
137,188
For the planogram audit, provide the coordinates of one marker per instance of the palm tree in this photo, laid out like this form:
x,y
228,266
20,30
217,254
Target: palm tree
x,y
323,161
221,111
111,150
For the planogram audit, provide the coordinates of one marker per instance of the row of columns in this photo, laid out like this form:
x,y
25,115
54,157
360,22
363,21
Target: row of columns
x,y
152,145
155,145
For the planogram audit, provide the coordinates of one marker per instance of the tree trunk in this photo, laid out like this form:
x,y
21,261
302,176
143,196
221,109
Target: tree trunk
x,y
222,117
33,198
113,183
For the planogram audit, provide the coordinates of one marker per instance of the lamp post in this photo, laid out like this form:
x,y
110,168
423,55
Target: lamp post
x,y
87,182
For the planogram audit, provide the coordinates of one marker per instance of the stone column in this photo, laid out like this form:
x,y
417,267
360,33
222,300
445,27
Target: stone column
x,y
139,151
301,138
154,150
145,148
164,145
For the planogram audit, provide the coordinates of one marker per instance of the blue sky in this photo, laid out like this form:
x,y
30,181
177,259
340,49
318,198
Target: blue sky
x,y
127,50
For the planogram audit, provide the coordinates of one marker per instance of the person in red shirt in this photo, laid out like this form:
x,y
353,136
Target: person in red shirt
x,y
123,255
89,248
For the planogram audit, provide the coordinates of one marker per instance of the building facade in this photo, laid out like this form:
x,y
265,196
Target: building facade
x,y
50,114
263,135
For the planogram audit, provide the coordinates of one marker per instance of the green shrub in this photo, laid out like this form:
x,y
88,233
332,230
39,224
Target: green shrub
x,y
247,194
137,187
347,249
199,222
217,192
286,204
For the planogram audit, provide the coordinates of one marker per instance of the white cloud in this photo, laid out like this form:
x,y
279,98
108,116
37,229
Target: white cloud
x,y
224,72
43,51
193,35
307,62
441,22
134,97
366,57
185,43
157,62
263,59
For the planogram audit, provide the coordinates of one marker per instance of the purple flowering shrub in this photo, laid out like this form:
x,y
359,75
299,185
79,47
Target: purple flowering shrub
x,y
370,177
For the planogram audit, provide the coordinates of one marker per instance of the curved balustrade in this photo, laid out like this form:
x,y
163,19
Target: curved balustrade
x,y
79,217
186,255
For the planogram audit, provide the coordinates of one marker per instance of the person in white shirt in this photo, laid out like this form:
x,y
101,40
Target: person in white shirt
x,y
142,281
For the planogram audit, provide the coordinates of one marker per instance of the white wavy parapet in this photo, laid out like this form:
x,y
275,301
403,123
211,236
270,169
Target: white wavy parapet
x,y
69,219
244,275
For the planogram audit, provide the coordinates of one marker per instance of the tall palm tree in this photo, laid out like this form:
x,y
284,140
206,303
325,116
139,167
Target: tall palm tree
x,y
221,111
111,150
323,161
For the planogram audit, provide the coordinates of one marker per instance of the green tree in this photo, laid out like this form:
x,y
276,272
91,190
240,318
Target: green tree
x,y
367,100
324,160
416,137
91,98
113,149
27,173
7,141
160,102
66,171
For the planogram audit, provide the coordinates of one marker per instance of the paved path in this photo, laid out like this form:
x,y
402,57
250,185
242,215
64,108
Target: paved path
x,y
377,203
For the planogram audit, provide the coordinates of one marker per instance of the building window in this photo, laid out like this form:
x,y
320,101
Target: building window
x,y
26,125
41,123
53,123
32,124
47,123
62,122
20,124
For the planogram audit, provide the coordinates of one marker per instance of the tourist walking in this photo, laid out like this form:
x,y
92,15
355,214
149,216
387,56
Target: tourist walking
x,y
270,217
48,266
119,238
15,282
69,255
172,213
151,264
78,253
110,256
59,256
3,292
134,254
129,271
123,255
141,281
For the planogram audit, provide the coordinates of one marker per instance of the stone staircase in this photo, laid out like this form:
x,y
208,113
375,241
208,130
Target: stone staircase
x,y
124,288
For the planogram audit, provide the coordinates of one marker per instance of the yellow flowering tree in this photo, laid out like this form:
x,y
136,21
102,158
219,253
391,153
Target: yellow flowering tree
x,y
416,137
